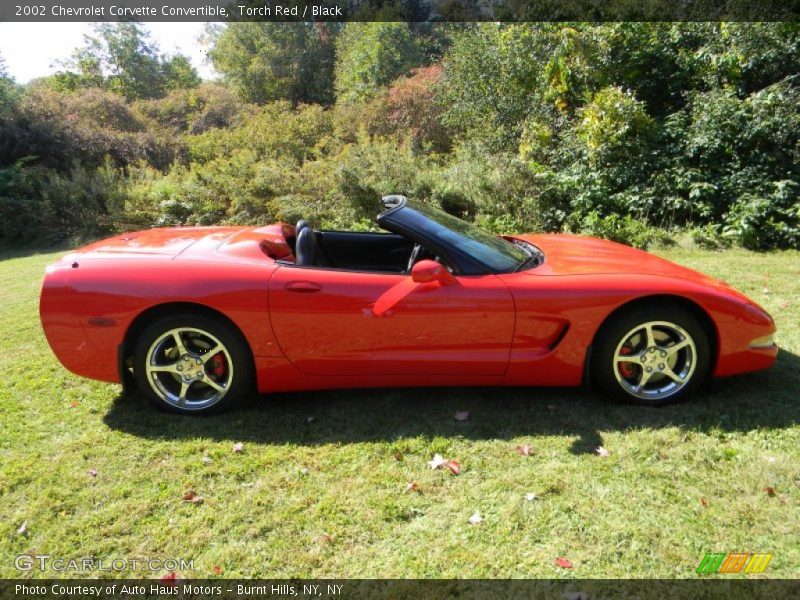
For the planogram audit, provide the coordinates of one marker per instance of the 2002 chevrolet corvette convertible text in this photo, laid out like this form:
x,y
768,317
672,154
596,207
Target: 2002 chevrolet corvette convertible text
x,y
198,317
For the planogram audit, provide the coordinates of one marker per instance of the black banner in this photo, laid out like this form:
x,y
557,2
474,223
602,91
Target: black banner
x,y
398,10
435,589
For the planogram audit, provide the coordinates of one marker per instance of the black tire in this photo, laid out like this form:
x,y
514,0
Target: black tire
x,y
230,367
619,379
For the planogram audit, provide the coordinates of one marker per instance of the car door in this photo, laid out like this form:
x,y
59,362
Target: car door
x,y
337,322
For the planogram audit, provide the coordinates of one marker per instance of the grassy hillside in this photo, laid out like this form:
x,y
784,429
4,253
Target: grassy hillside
x,y
319,489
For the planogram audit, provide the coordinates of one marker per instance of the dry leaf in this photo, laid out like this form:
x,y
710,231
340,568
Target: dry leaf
x,y
398,456
92,473
190,496
324,538
438,461
525,450
23,529
530,497
412,486
770,491
602,452
461,415
238,448
217,570
207,460
475,519
454,467
563,563
74,404
703,501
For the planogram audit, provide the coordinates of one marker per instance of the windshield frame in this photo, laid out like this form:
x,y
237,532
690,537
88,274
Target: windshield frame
x,y
408,218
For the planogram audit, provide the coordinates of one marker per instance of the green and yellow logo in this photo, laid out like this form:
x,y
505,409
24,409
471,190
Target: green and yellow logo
x,y
733,562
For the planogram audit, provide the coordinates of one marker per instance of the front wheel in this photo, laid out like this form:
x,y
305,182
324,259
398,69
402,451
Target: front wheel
x,y
652,356
192,364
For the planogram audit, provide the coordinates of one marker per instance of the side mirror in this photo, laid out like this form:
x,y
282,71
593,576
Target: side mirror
x,y
426,271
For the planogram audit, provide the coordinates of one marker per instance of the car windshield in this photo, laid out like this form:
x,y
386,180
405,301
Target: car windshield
x,y
496,253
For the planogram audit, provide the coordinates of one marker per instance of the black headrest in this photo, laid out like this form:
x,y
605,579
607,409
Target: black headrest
x,y
305,247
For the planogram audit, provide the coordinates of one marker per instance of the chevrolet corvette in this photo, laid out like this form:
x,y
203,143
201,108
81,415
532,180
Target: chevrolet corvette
x,y
197,317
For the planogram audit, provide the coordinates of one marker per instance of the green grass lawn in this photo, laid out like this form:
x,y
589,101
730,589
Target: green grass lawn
x,y
320,488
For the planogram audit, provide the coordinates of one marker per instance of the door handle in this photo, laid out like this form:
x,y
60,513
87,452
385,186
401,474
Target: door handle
x,y
303,287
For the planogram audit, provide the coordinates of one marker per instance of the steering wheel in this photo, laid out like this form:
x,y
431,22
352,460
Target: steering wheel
x,y
414,256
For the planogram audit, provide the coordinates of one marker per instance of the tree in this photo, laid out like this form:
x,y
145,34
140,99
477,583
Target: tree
x,y
6,86
265,62
372,55
122,58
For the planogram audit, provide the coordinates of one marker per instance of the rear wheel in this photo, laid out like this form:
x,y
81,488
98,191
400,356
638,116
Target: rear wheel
x,y
192,364
652,356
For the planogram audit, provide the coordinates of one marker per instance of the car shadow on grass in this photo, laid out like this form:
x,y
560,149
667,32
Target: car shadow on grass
x,y
744,403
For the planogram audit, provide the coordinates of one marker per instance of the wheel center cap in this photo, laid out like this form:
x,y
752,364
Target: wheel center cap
x,y
191,368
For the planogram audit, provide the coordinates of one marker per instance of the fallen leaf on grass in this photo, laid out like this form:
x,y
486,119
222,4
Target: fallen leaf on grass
x,y
525,450
171,577
530,497
92,473
217,570
438,461
412,486
475,519
770,491
192,497
703,501
398,456
207,460
238,448
74,404
23,529
454,467
461,415
602,452
563,563
324,538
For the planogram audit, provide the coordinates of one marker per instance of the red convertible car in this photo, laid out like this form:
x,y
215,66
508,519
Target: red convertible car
x,y
197,317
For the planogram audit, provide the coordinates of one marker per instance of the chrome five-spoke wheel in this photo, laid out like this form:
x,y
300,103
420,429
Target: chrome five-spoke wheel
x,y
192,364
655,360
651,354
189,368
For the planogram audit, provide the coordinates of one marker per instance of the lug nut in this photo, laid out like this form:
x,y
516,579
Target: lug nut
x,y
180,367
663,353
661,367
649,369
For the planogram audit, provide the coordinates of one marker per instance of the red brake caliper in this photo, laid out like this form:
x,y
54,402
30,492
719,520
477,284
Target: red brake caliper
x,y
219,369
626,368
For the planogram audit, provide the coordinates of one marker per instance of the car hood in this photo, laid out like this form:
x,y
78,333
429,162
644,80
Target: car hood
x,y
582,255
